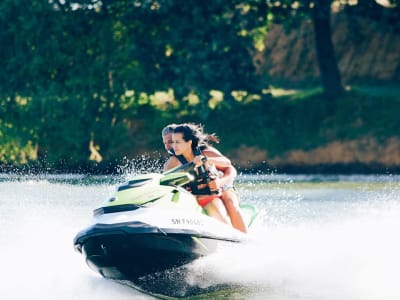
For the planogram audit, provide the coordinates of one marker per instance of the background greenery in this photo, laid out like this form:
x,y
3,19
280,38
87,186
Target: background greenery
x,y
87,85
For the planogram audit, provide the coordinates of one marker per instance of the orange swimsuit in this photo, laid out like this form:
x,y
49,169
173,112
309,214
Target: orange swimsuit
x,y
204,200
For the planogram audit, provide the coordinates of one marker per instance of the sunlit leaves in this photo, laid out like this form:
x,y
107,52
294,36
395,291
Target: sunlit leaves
x,y
163,100
216,98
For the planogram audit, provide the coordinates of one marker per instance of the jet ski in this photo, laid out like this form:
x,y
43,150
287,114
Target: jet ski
x,y
152,224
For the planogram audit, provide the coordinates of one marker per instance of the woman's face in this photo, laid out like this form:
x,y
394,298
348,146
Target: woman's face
x,y
180,145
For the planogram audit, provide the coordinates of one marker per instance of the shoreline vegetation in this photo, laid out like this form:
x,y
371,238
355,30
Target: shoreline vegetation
x,y
87,88
115,169
281,131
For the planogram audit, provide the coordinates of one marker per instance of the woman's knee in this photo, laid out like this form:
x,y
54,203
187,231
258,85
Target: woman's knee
x,y
230,199
217,209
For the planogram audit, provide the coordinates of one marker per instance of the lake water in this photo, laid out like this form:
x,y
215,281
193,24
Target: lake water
x,y
320,237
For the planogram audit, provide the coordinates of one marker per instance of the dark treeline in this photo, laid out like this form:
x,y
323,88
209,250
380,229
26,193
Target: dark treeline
x,y
91,80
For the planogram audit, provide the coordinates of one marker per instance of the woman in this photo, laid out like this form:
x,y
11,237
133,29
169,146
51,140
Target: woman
x,y
190,145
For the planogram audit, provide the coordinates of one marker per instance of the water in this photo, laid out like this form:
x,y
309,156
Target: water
x,y
320,237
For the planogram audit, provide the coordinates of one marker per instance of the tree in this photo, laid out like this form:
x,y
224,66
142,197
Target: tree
x,y
319,11
290,13
330,75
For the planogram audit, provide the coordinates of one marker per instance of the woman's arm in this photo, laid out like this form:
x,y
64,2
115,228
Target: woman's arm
x,y
228,176
216,158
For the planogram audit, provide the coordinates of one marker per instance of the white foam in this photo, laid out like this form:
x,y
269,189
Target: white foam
x,y
347,249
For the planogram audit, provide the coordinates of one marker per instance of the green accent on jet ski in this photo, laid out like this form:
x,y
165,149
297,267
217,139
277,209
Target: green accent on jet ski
x,y
149,188
143,189
198,241
175,197
250,213
177,179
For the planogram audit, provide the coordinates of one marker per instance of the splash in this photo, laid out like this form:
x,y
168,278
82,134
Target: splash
x,y
142,165
315,242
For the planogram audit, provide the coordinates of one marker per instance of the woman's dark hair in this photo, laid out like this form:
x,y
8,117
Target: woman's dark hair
x,y
195,133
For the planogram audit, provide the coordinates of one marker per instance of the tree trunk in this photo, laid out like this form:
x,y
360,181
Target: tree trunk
x,y
330,75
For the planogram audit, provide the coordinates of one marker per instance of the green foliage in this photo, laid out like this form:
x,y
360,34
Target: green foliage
x,y
111,74
89,68
305,120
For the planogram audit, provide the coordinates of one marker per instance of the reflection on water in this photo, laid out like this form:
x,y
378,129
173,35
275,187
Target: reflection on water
x,y
321,237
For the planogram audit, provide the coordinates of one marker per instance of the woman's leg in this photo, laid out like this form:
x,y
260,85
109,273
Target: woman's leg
x,y
216,209
231,202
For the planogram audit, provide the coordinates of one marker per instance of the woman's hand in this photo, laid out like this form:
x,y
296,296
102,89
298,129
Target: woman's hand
x,y
214,186
198,160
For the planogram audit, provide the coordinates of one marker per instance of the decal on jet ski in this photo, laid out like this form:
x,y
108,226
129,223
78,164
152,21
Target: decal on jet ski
x,y
186,221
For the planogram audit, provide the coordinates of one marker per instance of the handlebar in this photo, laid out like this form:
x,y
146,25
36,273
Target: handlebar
x,y
204,180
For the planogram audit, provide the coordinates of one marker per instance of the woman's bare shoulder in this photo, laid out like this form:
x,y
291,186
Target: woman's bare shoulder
x,y
172,162
211,151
